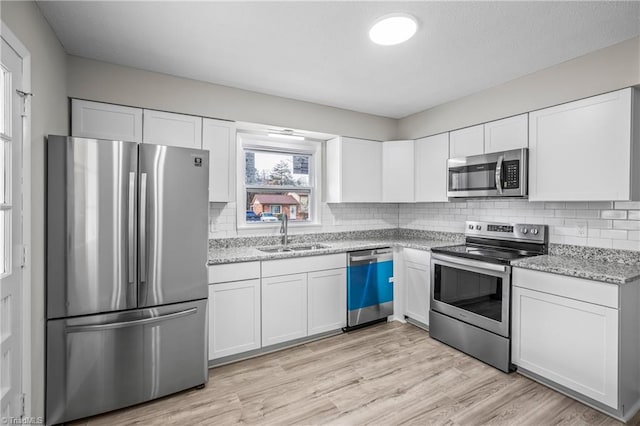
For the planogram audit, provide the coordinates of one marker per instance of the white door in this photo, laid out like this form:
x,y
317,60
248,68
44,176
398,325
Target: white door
x,y
397,171
327,300
284,308
11,110
167,128
430,168
234,318
105,121
467,141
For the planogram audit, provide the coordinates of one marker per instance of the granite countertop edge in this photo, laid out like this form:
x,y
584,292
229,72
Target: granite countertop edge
x,y
249,254
603,271
608,272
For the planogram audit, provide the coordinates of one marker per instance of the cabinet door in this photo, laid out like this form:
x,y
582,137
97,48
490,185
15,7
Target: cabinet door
x,y
569,342
105,121
327,300
581,150
284,308
361,170
417,276
430,166
397,171
506,134
166,128
218,137
234,318
468,141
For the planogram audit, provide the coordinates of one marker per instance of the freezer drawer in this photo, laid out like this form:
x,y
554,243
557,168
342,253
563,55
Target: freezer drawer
x,y
101,363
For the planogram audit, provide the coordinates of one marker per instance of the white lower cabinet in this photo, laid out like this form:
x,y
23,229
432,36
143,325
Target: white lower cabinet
x,y
234,308
417,280
303,296
570,342
284,308
234,318
327,301
579,335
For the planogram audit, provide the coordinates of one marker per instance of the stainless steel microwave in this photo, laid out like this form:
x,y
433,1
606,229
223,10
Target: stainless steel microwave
x,y
498,174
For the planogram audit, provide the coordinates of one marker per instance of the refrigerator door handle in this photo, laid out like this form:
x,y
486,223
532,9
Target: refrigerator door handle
x,y
143,227
132,221
123,324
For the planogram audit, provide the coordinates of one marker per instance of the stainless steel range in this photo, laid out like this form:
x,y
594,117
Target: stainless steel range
x,y
471,288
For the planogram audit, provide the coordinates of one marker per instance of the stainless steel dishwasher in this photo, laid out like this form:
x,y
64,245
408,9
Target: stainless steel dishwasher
x,y
369,286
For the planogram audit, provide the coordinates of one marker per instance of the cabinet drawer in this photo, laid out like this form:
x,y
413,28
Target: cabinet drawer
x,y
233,272
417,256
574,288
272,268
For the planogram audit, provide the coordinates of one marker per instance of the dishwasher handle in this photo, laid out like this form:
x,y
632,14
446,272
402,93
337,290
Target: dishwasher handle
x,y
377,255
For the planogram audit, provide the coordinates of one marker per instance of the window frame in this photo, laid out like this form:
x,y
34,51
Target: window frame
x,y
247,141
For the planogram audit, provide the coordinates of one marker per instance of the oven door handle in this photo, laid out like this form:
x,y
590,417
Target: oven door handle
x,y
472,263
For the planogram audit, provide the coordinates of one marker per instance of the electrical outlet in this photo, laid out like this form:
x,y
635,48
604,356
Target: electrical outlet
x,y
582,230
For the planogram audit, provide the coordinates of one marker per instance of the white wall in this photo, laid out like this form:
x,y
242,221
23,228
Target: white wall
x,y
604,70
49,115
598,224
105,82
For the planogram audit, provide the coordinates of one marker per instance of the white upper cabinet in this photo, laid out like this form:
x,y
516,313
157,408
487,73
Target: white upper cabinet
x,y
585,150
506,134
397,171
467,141
430,167
105,121
354,170
218,137
166,128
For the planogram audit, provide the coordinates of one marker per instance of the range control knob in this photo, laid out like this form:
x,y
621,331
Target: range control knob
x,y
524,230
478,227
534,231
470,226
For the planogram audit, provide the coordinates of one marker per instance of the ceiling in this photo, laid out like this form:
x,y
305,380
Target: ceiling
x,y
320,52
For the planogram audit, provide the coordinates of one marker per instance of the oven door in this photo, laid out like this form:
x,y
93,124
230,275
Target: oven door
x,y
472,291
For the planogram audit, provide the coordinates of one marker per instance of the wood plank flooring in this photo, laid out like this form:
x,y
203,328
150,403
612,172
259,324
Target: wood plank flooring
x,y
388,374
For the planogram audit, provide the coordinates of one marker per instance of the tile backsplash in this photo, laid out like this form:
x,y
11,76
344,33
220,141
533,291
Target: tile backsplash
x,y
334,218
596,224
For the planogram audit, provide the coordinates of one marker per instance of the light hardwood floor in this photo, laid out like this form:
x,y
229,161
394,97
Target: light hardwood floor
x,y
387,374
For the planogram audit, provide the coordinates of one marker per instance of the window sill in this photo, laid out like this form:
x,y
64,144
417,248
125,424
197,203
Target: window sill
x,y
276,226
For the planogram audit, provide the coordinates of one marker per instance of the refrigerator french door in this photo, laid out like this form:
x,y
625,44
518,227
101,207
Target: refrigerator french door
x,y
126,274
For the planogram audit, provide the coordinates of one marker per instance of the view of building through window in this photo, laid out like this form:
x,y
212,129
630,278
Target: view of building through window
x,y
277,183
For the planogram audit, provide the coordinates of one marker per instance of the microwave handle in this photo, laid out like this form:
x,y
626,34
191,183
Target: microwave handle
x,y
499,174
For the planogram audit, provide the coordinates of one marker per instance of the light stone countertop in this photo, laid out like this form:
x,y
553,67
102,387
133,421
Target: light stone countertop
x,y
606,265
247,254
598,270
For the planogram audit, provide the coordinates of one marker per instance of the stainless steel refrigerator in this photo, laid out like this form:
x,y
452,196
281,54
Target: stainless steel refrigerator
x,y
126,274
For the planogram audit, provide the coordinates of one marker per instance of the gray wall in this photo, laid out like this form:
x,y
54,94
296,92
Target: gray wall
x,y
49,114
105,82
605,70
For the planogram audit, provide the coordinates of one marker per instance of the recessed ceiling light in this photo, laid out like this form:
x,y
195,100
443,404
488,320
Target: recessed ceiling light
x,y
394,28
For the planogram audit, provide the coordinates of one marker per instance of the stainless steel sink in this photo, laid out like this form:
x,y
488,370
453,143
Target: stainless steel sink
x,y
309,247
282,249
274,249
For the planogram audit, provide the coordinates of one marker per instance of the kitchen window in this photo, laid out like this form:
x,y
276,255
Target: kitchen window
x,y
277,178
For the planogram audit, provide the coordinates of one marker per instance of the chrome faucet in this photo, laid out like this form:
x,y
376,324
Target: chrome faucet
x,y
284,229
